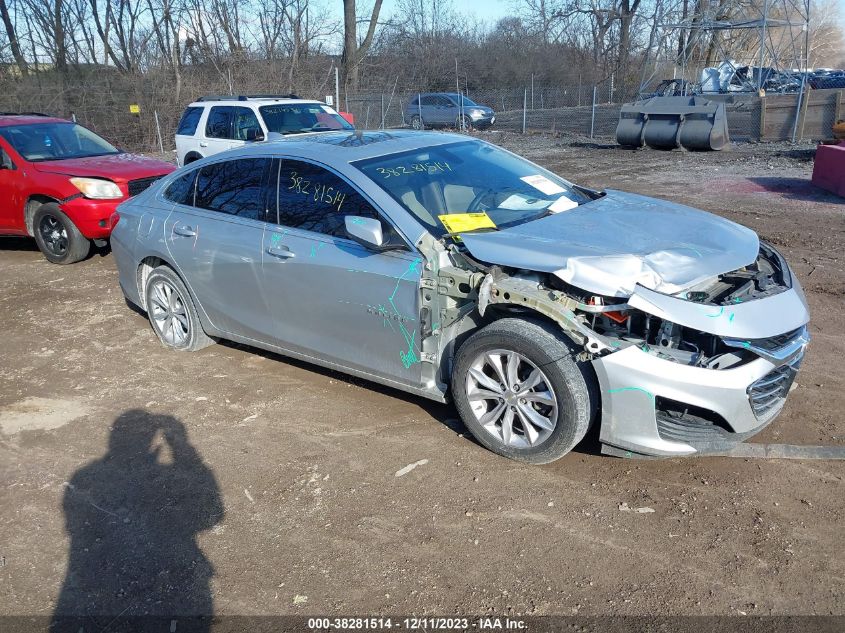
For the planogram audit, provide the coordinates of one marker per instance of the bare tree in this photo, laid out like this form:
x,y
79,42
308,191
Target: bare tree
x,y
20,60
353,51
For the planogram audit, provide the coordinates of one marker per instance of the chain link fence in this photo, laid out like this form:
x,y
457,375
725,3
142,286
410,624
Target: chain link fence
x,y
102,103
593,111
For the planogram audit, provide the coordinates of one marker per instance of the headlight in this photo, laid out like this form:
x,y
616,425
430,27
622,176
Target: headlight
x,y
97,188
476,112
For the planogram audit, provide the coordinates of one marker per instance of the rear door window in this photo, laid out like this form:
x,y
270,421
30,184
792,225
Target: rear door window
x,y
189,121
244,119
181,190
235,187
219,124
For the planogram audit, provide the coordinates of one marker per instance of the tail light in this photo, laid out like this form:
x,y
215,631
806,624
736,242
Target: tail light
x,y
113,220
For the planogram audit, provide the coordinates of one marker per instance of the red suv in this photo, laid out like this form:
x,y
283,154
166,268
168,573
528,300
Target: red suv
x,y
60,183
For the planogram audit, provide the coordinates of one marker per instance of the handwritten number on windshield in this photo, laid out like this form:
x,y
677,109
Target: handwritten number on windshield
x,y
403,170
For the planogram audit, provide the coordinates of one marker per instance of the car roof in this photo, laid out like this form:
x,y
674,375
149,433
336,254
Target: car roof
x,y
255,100
7,120
445,94
351,146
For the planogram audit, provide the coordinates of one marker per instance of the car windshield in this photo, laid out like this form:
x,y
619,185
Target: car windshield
x,y
55,141
441,185
298,118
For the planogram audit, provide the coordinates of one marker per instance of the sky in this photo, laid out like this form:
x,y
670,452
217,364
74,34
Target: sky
x,y
487,10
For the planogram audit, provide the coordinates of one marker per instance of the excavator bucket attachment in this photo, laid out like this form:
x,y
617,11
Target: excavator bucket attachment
x,y
669,122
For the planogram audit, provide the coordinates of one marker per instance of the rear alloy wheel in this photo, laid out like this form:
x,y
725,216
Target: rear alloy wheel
x,y
57,236
521,392
416,122
171,312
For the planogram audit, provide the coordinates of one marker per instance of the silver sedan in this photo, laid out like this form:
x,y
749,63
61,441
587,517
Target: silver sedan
x,y
450,268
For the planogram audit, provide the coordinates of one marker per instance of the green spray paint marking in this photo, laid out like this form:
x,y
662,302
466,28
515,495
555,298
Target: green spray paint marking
x,y
369,272
385,316
275,238
721,312
410,357
316,249
645,391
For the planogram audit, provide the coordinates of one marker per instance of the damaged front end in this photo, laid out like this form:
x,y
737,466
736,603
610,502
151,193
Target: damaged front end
x,y
683,373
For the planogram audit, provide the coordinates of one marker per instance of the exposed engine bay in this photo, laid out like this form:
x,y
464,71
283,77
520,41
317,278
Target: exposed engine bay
x,y
678,373
605,324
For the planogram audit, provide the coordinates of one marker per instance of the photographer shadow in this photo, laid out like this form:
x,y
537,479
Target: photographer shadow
x,y
133,517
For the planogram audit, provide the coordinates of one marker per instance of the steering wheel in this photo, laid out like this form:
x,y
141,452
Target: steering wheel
x,y
478,199
319,126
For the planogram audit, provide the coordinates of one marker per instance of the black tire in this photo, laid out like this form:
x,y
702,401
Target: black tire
x,y
57,236
571,384
170,326
467,126
416,122
191,158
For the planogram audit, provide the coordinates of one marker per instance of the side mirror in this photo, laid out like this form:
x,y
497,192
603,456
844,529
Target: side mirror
x,y
6,161
254,134
365,231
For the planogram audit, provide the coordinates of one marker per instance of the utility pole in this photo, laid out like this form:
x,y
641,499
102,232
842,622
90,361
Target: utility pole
x,y
337,87
763,43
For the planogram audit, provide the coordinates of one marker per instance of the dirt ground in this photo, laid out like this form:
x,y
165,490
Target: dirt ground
x,y
273,487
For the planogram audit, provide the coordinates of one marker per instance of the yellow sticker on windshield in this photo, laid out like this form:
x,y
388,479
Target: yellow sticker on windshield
x,y
460,222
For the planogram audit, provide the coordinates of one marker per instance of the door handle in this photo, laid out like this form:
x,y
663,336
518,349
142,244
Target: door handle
x,y
281,252
202,144
184,231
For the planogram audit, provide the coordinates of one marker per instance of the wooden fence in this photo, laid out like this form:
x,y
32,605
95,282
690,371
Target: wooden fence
x,y
819,110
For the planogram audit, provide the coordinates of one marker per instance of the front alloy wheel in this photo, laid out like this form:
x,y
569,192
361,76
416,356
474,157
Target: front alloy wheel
x,y
511,398
521,391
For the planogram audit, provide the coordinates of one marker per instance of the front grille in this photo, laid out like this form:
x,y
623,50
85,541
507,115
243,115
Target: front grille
x,y
774,343
137,186
769,392
689,429
703,429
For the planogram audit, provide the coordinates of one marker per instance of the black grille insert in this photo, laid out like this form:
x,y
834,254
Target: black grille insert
x,y
776,342
140,184
769,392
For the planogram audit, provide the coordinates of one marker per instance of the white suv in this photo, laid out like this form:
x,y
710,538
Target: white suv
x,y
216,124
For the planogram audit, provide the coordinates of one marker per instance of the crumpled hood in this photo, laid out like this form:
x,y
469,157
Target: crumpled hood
x,y
116,167
611,244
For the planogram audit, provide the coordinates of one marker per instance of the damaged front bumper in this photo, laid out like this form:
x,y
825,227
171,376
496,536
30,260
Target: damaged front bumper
x,y
652,406
656,407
